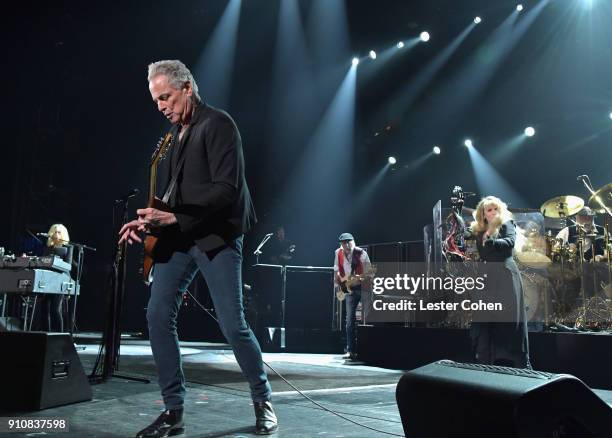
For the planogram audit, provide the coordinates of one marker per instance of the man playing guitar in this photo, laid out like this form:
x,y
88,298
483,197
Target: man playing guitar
x,y
350,264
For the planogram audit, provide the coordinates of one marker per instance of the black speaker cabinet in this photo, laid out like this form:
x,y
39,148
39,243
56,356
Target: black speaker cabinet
x,y
445,399
40,370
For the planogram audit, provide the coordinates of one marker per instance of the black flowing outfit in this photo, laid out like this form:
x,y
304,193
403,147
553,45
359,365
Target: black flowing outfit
x,y
503,342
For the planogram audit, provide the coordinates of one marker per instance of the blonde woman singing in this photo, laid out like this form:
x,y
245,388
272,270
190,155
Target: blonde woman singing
x,y
503,341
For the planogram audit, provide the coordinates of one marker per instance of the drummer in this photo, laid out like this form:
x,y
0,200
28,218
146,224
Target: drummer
x,y
585,219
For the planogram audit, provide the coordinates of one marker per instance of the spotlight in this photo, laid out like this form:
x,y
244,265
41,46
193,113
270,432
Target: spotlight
x,y
372,54
519,7
611,115
477,20
355,61
436,150
529,131
392,160
424,36
468,143
400,45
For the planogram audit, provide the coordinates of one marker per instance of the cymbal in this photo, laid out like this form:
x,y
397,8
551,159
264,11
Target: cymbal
x,y
604,194
562,206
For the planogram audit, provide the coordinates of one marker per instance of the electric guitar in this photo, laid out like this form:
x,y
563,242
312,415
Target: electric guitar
x,y
349,281
150,241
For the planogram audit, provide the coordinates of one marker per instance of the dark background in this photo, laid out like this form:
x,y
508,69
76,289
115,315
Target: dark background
x,y
79,125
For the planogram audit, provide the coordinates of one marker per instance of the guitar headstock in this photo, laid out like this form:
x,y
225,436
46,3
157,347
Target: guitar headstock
x,y
161,149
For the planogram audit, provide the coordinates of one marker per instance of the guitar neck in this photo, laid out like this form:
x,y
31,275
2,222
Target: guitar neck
x,y
159,154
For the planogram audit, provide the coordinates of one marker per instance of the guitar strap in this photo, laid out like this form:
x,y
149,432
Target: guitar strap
x,y
177,171
170,189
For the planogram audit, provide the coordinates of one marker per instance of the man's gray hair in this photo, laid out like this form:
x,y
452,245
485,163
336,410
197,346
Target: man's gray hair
x,y
177,73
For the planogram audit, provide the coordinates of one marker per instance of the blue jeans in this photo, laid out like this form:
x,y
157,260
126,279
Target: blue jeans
x,y
223,275
352,301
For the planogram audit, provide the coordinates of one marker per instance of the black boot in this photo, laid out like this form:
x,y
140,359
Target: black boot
x,y
170,422
266,418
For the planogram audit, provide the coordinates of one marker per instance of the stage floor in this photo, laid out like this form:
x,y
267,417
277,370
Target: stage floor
x,y
218,402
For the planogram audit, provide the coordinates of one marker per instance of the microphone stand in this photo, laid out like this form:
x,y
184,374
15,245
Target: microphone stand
x,y
111,342
80,247
258,251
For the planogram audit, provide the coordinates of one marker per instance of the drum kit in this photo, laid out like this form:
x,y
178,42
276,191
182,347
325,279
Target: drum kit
x,y
551,267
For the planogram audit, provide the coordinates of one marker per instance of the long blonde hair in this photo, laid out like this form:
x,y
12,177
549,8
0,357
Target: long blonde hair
x,y
480,224
65,238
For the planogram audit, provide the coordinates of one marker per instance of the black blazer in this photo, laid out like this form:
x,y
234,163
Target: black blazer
x,y
211,200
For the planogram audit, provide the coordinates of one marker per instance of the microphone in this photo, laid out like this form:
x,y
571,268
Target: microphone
x,y
131,194
64,242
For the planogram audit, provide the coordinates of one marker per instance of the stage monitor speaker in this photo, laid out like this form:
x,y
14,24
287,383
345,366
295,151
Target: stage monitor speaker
x,y
446,398
40,370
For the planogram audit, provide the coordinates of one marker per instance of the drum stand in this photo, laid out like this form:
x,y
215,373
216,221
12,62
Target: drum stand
x,y
581,320
598,197
560,284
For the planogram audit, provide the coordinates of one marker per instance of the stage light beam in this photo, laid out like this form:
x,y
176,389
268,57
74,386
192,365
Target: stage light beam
x,y
437,150
355,61
425,36
519,7
219,51
372,54
468,143
529,131
392,160
400,45
477,20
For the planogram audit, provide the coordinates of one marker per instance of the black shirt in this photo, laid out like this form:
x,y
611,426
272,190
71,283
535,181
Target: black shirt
x,y
211,200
